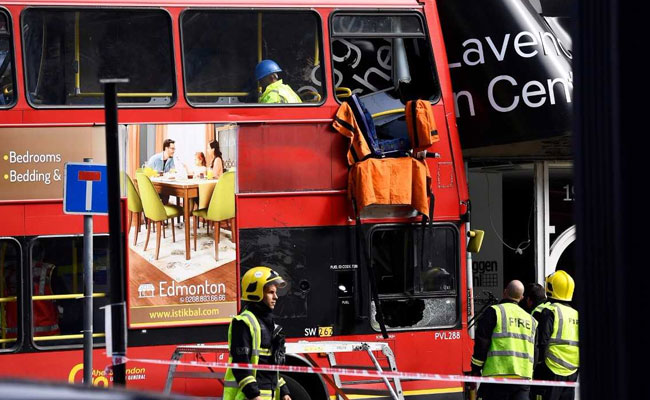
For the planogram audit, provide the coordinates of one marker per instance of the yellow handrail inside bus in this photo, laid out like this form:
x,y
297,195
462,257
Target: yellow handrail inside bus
x,y
347,92
218,94
316,50
388,112
75,266
259,36
77,73
11,299
144,94
65,296
8,299
8,340
64,337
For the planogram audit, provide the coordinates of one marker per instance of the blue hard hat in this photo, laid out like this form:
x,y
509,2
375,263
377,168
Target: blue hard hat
x,y
266,67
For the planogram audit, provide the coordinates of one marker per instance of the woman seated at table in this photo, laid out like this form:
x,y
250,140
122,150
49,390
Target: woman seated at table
x,y
217,162
200,165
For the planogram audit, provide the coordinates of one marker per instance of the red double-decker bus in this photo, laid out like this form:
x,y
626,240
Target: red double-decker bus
x,y
192,132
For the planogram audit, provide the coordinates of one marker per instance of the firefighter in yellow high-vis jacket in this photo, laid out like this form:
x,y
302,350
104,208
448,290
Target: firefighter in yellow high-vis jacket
x,y
254,338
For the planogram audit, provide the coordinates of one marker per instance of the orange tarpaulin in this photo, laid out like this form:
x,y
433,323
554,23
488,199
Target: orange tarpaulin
x,y
390,181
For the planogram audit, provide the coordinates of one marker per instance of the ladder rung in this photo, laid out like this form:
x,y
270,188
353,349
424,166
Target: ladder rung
x,y
196,375
376,392
369,368
345,383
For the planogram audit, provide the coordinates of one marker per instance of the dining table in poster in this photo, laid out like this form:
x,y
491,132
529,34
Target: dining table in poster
x,y
188,190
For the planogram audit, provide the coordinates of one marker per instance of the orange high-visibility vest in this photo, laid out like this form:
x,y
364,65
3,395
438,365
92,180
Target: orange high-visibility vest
x,y
45,315
346,125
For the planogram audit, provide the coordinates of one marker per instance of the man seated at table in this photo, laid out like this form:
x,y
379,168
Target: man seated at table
x,y
164,161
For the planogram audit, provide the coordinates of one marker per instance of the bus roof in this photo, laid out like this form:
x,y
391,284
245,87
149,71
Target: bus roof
x,y
223,3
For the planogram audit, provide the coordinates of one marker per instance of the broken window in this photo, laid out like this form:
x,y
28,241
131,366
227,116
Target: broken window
x,y
417,286
382,53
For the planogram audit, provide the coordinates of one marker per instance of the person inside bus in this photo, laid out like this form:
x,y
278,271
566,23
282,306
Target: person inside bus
x,y
273,89
164,161
45,313
216,166
255,338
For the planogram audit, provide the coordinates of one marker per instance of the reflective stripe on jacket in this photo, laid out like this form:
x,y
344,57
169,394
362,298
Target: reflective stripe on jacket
x,y
278,92
563,356
512,347
345,124
233,389
541,307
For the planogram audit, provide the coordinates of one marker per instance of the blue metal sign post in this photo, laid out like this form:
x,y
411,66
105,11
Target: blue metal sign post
x,y
86,192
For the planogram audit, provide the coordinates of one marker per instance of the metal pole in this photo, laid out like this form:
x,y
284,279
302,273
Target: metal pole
x,y
468,268
116,242
88,297
543,229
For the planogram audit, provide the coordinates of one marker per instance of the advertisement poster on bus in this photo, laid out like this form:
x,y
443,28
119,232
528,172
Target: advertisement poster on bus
x,y
177,276
183,179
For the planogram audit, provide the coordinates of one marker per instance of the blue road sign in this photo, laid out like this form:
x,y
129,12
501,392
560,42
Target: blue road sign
x,y
85,189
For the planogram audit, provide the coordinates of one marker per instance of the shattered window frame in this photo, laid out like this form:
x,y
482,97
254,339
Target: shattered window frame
x,y
439,307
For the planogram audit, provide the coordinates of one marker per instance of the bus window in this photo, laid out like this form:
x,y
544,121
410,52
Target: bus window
x,y
57,289
417,289
6,63
67,52
382,53
10,262
222,48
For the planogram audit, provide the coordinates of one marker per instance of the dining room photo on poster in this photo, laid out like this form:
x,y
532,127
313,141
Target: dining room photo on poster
x,y
181,224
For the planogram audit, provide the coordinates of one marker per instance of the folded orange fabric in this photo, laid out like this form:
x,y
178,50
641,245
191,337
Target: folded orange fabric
x,y
390,181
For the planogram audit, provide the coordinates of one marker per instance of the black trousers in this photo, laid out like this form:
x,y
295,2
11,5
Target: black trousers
x,y
495,391
552,392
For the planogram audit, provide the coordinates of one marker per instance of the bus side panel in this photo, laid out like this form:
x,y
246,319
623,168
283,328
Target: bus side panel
x,y
289,157
13,220
67,366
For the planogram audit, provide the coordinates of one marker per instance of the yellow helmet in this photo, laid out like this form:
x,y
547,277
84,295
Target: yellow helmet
x,y
254,280
560,285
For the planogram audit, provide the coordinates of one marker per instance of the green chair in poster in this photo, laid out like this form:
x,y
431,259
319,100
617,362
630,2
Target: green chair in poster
x,y
220,209
134,204
155,210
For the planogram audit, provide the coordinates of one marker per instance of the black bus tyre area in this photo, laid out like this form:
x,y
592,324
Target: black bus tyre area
x,y
296,390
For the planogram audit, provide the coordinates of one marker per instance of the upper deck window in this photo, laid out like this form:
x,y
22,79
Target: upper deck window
x,y
222,48
383,53
67,51
6,63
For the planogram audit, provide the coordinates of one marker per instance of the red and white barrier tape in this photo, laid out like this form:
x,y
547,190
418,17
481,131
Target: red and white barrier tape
x,y
350,372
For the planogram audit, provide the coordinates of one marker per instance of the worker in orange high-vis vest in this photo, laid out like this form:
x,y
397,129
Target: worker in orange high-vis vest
x,y
45,316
